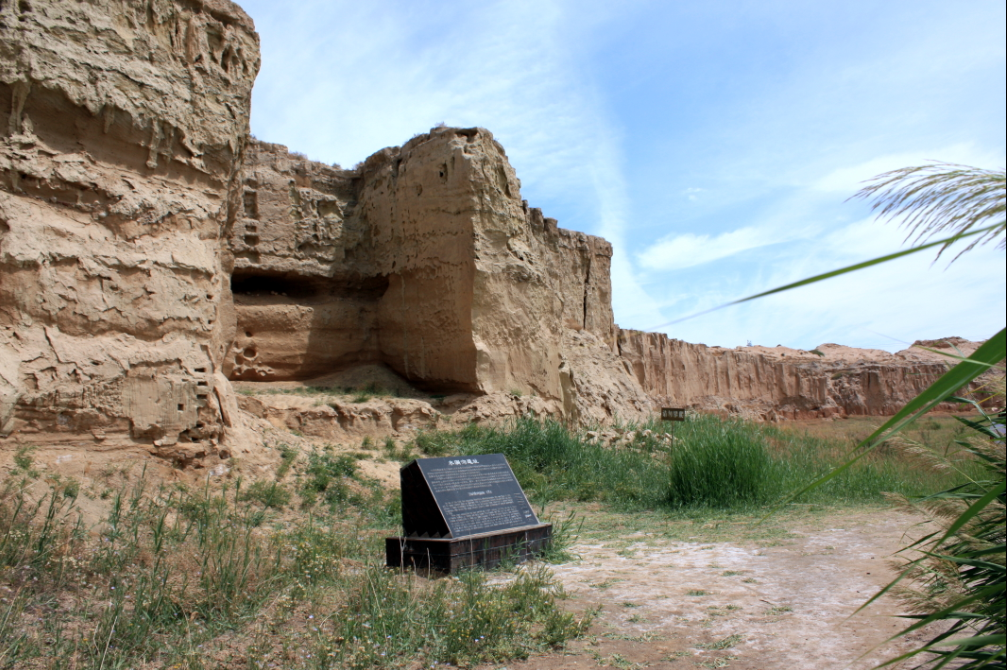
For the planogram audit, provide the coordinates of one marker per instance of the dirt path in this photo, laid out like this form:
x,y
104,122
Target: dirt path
x,y
782,601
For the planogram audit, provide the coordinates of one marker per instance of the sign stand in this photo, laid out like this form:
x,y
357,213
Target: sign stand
x,y
460,512
673,414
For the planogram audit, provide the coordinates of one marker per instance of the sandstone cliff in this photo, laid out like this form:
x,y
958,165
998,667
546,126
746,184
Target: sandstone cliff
x,y
426,260
782,383
127,122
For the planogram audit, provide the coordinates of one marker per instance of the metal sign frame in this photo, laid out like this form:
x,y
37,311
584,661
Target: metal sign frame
x,y
673,413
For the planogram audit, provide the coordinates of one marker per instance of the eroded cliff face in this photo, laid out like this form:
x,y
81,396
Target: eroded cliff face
x,y
305,286
127,121
426,260
781,383
336,268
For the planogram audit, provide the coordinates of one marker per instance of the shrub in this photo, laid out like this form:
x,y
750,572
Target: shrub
x,y
434,443
268,494
288,455
325,475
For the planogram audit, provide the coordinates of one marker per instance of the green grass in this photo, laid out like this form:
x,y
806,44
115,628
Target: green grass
x,y
215,577
764,463
268,494
721,464
457,621
715,463
725,643
288,455
326,475
552,464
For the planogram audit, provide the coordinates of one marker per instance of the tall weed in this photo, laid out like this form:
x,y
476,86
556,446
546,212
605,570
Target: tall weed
x,y
721,464
714,463
958,576
170,572
553,464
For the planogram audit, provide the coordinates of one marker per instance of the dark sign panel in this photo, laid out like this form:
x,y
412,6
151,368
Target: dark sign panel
x,y
462,495
673,414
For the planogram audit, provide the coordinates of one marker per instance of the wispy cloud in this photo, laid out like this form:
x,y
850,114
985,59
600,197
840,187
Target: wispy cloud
x,y
343,80
882,307
686,250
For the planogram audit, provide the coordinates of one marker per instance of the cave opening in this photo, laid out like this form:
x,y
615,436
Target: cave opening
x,y
298,288
293,327
292,286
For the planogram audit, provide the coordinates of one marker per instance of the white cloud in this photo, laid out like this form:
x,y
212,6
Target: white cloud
x,y
686,250
693,194
886,307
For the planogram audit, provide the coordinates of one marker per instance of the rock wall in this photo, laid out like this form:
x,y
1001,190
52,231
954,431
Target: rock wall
x,y
126,125
425,259
781,383
305,286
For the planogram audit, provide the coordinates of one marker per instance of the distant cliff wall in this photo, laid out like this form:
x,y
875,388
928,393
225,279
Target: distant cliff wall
x,y
781,383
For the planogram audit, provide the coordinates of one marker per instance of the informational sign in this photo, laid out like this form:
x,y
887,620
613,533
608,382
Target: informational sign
x,y
673,414
460,496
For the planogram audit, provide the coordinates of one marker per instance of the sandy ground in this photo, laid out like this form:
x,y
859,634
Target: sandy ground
x,y
785,601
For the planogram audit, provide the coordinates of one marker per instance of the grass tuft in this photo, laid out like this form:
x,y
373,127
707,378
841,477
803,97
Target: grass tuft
x,y
720,464
269,494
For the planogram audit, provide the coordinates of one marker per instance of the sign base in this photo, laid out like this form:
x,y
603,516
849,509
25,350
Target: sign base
x,y
450,554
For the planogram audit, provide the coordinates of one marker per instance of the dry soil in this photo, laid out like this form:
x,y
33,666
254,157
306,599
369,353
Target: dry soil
x,y
783,594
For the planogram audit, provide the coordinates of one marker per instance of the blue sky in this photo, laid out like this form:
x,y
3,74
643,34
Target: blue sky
x,y
714,144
